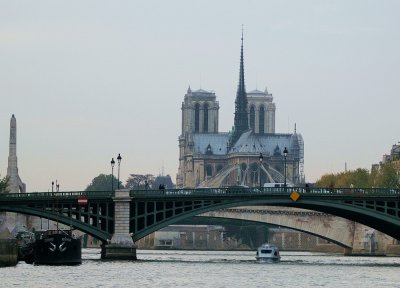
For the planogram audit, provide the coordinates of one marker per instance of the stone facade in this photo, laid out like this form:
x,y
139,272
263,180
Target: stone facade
x,y
209,158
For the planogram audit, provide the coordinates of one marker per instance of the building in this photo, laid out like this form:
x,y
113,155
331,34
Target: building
x,y
393,158
250,154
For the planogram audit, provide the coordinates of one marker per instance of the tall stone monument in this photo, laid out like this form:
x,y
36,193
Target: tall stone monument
x,y
15,184
10,221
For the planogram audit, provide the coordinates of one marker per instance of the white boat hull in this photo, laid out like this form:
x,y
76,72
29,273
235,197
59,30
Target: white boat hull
x,y
267,253
267,260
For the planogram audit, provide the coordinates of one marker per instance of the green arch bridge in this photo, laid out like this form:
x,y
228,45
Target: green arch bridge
x,y
147,211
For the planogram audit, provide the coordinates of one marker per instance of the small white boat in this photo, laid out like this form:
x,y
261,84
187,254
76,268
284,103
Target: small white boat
x,y
268,253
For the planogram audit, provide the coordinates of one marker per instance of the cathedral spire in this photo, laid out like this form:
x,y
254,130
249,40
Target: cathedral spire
x,y
241,117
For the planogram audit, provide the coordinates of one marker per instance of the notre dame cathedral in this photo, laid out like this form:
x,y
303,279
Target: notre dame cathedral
x,y
251,154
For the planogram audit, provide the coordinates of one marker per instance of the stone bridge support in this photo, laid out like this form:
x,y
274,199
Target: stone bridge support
x,y
335,229
356,238
121,246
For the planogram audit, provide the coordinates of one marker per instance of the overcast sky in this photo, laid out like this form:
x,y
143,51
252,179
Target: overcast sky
x,y
87,80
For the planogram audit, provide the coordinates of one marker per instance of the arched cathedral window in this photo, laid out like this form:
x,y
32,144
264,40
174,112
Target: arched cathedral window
x,y
196,117
205,124
209,171
252,118
261,120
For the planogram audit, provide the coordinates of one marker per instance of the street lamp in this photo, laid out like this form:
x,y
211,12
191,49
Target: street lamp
x,y
259,168
119,158
285,153
112,174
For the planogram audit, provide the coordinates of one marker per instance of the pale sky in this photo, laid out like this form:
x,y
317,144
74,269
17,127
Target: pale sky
x,y
87,80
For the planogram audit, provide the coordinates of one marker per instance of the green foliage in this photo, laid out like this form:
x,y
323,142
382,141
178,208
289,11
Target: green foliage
x,y
138,181
327,180
103,183
388,177
4,184
384,177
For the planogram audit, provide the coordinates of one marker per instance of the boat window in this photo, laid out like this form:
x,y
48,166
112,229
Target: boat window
x,y
266,251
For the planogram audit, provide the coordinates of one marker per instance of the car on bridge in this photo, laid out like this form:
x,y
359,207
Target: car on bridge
x,y
277,185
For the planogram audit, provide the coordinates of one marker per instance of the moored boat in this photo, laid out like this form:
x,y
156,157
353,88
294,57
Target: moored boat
x,y
26,243
57,247
268,253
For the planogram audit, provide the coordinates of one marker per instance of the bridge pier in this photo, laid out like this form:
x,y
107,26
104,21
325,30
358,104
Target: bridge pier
x,y
121,246
348,251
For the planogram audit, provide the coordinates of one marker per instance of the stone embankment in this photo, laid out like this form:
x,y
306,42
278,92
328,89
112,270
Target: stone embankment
x,y
8,252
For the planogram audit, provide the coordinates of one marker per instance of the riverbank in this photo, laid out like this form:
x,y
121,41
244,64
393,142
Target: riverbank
x,y
8,252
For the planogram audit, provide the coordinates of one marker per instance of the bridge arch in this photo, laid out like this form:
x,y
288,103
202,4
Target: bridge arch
x,y
371,218
334,229
68,221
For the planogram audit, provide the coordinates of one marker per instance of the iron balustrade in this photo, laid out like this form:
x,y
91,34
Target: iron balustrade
x,y
220,192
231,191
52,195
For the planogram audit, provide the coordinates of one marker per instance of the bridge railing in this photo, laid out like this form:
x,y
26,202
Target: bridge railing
x,y
222,191
55,195
206,192
265,190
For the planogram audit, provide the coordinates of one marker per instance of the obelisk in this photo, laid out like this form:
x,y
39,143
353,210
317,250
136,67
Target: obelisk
x,y
15,185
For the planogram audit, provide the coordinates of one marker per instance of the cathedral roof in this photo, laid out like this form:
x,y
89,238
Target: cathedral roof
x,y
249,142
216,141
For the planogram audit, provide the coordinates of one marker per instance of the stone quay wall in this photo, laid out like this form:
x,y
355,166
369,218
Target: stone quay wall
x,y
8,252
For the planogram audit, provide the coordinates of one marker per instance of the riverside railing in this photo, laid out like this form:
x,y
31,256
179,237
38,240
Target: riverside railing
x,y
52,195
248,191
207,192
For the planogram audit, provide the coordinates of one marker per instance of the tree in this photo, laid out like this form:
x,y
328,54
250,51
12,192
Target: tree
x,y
138,181
327,180
385,176
360,178
4,184
388,177
103,183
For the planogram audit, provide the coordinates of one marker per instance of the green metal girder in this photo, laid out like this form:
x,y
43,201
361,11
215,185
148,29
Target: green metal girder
x,y
377,208
87,228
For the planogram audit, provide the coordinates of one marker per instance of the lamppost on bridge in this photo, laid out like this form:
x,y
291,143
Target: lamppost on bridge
x,y
52,186
259,167
119,158
112,174
285,153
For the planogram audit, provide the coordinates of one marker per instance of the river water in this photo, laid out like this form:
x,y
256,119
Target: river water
x,y
210,269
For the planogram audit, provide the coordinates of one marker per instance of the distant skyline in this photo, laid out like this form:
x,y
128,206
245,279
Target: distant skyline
x,y
87,80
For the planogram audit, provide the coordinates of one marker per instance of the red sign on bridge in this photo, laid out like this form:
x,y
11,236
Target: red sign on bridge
x,y
82,200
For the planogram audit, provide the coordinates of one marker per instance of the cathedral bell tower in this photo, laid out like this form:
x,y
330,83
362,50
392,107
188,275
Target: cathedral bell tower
x,y
199,116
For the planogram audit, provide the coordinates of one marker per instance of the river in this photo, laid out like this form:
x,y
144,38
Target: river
x,y
156,268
